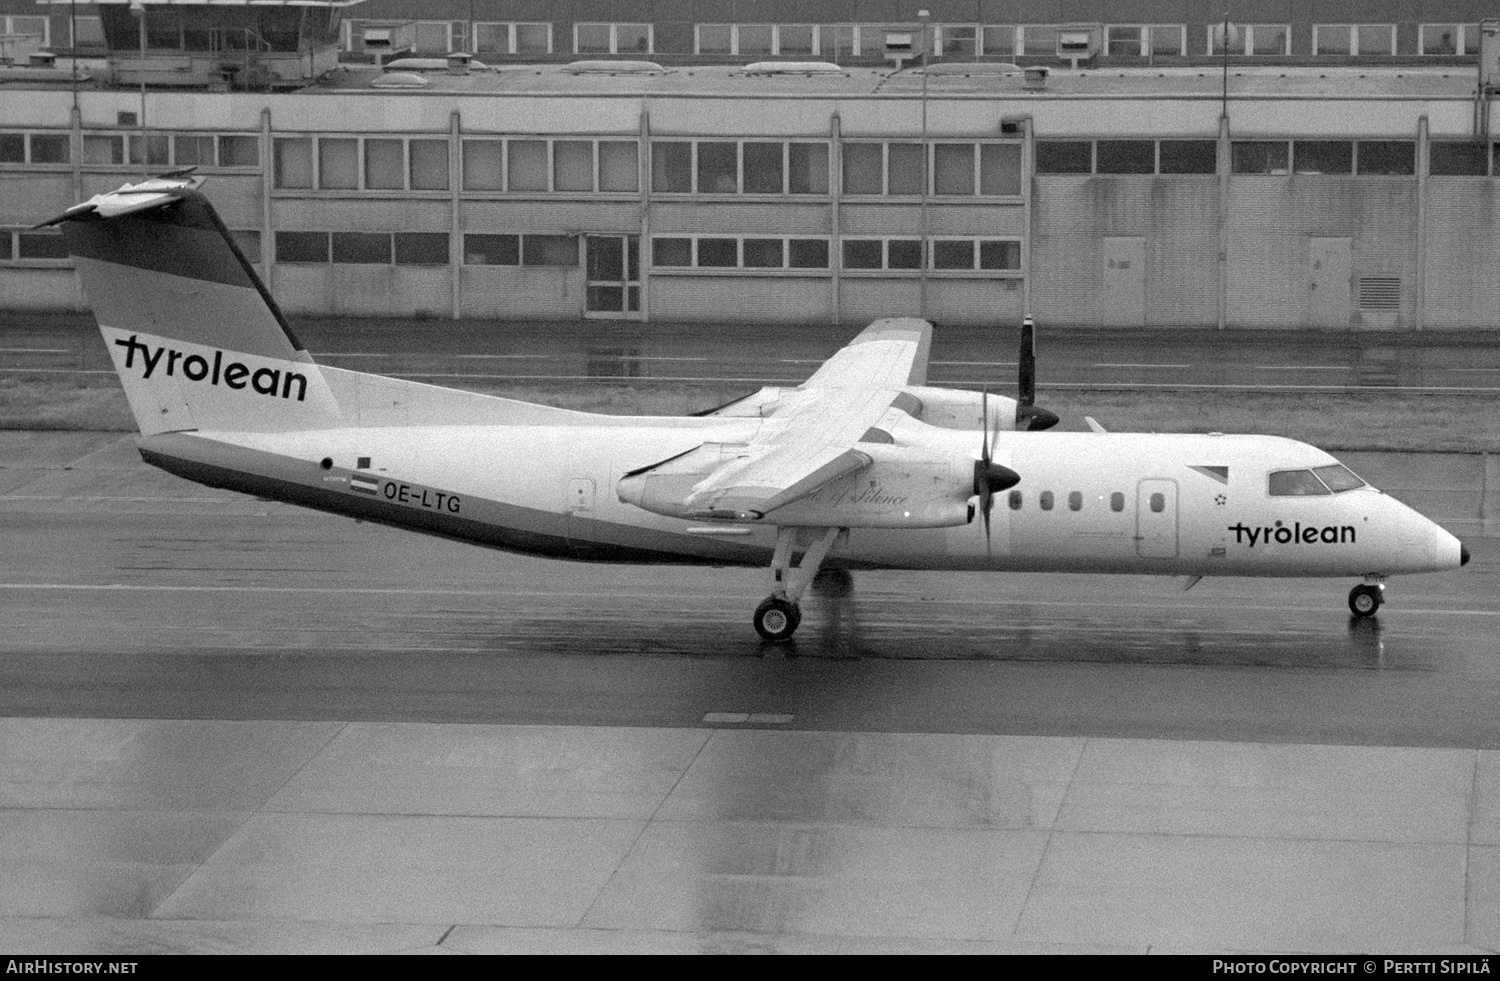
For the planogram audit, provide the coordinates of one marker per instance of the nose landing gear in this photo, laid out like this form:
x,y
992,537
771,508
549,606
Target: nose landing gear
x,y
1365,599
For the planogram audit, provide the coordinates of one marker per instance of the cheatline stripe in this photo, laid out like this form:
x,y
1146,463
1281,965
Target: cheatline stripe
x,y
379,591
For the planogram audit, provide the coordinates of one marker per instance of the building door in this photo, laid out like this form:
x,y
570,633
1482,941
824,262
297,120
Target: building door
x,y
1329,271
1124,282
1156,519
613,267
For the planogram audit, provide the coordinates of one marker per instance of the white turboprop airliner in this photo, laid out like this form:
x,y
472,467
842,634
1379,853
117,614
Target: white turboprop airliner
x,y
862,466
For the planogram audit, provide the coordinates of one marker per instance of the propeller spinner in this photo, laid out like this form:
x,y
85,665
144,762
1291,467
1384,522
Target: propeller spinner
x,y
1030,416
989,476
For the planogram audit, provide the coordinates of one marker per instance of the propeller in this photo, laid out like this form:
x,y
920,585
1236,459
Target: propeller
x,y
989,476
1030,416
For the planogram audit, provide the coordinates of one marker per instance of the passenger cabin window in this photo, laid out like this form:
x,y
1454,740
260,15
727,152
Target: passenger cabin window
x,y
1015,500
1295,483
1046,500
1075,500
1117,501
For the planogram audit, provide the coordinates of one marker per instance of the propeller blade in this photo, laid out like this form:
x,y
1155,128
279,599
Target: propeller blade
x,y
1027,365
1029,416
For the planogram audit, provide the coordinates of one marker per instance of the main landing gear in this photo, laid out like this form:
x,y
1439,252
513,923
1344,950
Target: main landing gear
x,y
1365,599
778,616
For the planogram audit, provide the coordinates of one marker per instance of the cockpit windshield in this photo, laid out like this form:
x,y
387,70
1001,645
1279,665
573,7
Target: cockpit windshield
x,y
1319,480
1338,477
1295,483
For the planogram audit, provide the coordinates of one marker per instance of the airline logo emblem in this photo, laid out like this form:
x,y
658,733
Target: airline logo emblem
x,y
166,361
1296,534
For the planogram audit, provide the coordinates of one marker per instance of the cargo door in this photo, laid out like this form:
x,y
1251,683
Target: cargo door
x,y
580,508
1124,281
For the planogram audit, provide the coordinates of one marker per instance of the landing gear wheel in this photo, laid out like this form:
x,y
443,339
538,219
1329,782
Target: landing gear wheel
x,y
777,619
1364,600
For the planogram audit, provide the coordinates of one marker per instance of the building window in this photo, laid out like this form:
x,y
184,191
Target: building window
x,y
1256,39
1038,40
1386,158
33,28
1064,157
484,165
1259,157
714,39
239,151
549,250
293,162
338,163
1125,39
1126,157
385,164
1322,157
41,244
103,150
718,168
1375,39
754,252
612,39
512,38
36,148
1168,39
302,247
158,149
1332,39
492,250
999,40
995,255
1457,159
421,248
526,165
957,41
1188,156
1448,39
672,168
362,248
754,39
889,168
429,165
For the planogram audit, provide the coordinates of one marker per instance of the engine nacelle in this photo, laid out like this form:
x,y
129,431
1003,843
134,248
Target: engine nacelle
x,y
956,408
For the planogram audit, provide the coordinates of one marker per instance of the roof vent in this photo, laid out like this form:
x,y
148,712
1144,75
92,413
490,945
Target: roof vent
x,y
614,68
1035,78
794,68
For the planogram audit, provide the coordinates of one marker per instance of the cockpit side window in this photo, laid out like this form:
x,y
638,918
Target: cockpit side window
x,y
1338,477
1295,483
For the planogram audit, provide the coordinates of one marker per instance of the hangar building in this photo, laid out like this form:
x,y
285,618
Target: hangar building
x,y
1332,195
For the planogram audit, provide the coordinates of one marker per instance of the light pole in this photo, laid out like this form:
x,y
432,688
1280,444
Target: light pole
x,y
923,15
139,9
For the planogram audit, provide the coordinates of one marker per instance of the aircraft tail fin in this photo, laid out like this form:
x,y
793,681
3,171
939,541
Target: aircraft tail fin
x,y
197,340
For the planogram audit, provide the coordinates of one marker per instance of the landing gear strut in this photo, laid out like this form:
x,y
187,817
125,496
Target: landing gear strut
x,y
1365,599
777,617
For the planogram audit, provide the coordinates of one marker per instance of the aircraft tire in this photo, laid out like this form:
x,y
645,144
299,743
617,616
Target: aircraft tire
x,y
1364,600
777,619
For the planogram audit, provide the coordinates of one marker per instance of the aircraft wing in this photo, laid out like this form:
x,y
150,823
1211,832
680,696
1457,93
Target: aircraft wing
x,y
813,435
889,353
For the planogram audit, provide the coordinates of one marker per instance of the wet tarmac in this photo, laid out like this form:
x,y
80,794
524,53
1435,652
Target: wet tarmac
x,y
476,352
230,725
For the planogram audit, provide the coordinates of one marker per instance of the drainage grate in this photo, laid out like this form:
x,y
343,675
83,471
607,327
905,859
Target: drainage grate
x,y
1380,293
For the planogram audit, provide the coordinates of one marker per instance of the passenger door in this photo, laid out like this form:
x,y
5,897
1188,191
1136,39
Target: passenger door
x,y
1156,519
